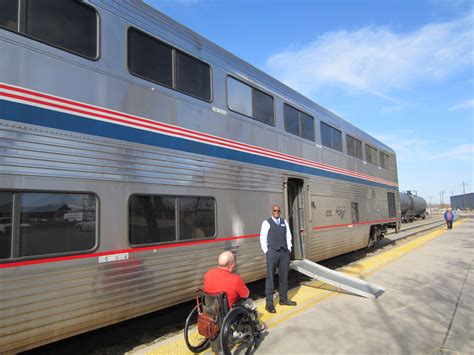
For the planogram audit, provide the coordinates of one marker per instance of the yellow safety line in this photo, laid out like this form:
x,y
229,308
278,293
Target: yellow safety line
x,y
313,292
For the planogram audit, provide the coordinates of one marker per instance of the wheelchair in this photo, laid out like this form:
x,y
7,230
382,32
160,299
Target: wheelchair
x,y
236,329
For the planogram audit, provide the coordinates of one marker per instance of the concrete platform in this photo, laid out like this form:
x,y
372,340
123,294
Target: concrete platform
x,y
428,306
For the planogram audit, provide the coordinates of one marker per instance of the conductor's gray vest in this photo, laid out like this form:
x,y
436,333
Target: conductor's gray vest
x,y
276,238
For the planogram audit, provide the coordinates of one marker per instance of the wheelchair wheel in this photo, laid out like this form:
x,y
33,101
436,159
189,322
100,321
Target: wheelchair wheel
x,y
195,342
237,332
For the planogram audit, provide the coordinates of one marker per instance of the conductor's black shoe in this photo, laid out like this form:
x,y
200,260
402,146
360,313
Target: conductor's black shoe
x,y
270,309
288,303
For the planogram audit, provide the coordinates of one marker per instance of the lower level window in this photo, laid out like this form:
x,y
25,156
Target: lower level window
x,y
40,223
6,216
158,219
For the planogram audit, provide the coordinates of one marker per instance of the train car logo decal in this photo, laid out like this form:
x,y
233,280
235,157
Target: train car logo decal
x,y
340,211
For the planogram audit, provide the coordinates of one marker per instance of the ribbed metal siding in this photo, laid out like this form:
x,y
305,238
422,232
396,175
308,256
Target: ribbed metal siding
x,y
40,152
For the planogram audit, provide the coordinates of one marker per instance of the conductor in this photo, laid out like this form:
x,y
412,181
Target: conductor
x,y
275,240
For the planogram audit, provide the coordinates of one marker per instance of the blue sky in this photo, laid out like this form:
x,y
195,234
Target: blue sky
x,y
403,71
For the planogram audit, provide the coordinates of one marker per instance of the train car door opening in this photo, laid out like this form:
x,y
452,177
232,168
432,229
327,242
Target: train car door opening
x,y
295,207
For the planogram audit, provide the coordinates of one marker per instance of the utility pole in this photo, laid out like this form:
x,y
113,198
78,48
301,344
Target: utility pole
x,y
441,195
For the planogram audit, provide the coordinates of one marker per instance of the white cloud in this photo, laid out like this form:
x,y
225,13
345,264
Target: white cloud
x,y
375,59
463,105
463,152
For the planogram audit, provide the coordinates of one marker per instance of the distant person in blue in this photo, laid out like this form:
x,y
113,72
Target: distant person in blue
x,y
449,218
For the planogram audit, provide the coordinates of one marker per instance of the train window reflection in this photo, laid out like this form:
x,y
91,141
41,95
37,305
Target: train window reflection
x,y
371,154
193,76
384,160
292,121
9,14
69,25
331,137
149,58
298,122
152,219
249,101
6,215
263,107
354,147
52,223
307,126
239,97
196,217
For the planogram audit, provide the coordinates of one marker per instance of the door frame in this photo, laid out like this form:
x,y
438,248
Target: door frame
x,y
302,231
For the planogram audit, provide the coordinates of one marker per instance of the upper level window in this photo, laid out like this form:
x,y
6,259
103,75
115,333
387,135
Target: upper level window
x,y
149,58
371,154
67,24
157,219
193,76
9,14
331,137
354,147
157,61
249,101
298,122
384,160
46,223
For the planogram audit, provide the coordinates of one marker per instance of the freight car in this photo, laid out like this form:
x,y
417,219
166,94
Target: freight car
x,y
412,207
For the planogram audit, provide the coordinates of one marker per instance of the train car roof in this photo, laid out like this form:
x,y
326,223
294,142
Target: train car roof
x,y
151,20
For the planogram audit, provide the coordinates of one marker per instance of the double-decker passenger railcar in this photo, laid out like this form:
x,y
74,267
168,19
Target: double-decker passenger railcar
x,y
134,151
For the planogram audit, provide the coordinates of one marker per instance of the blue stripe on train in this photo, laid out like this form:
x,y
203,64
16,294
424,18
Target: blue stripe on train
x,y
18,112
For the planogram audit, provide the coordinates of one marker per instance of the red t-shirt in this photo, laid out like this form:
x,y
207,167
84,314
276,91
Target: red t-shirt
x,y
220,280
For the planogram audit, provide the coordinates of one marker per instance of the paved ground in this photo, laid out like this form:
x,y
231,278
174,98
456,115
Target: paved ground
x,y
427,307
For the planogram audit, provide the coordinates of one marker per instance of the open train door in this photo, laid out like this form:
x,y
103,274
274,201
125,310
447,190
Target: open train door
x,y
299,217
295,203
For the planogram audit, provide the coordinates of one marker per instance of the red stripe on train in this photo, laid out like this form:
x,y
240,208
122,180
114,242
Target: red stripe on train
x,y
356,223
166,246
112,252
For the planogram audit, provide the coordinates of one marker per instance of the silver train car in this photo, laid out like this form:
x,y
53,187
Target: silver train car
x,y
133,151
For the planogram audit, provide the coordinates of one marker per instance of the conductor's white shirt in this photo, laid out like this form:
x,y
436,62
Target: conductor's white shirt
x,y
264,233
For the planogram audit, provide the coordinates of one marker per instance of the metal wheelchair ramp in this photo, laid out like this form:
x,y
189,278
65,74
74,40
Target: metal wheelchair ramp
x,y
337,279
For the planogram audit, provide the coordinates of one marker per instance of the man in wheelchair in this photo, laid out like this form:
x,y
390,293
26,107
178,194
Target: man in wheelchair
x,y
222,280
227,319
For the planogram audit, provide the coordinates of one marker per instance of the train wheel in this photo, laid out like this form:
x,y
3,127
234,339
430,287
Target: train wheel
x,y
195,342
237,333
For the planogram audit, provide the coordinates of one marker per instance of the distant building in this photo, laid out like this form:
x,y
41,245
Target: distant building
x,y
463,202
